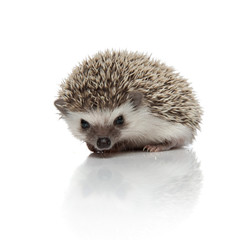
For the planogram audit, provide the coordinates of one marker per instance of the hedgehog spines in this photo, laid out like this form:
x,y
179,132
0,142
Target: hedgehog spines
x,y
106,79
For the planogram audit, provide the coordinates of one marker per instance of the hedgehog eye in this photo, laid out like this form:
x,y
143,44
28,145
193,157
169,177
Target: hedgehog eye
x,y
84,124
119,120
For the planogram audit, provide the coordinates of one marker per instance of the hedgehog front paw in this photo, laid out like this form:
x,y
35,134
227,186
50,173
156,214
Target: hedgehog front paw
x,y
91,147
158,147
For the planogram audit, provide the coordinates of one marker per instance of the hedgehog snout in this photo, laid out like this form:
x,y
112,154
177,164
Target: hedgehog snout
x,y
103,142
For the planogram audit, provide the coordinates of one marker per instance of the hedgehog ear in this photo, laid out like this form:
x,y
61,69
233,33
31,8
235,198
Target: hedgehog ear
x,y
136,98
60,105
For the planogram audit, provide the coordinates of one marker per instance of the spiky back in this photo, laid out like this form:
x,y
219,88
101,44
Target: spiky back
x,y
105,80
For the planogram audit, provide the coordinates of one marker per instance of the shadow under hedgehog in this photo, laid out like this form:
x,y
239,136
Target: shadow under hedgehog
x,y
119,100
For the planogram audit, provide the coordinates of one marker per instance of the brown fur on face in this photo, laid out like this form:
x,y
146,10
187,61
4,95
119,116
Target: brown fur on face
x,y
94,132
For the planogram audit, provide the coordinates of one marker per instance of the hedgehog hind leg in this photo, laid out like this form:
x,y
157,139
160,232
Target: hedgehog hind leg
x,y
165,146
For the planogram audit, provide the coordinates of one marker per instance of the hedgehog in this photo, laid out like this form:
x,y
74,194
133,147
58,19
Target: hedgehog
x,y
125,101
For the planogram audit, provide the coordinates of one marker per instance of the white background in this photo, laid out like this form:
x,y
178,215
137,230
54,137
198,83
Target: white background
x,y
51,189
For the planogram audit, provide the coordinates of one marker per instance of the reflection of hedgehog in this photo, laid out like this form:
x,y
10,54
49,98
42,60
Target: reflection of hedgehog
x,y
124,101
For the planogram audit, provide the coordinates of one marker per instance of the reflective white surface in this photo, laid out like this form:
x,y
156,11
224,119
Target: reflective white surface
x,y
135,194
50,185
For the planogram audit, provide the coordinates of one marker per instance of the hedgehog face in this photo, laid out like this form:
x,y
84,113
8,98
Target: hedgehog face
x,y
103,136
102,129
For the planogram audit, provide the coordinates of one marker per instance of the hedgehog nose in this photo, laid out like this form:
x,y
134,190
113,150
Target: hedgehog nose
x,y
103,142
